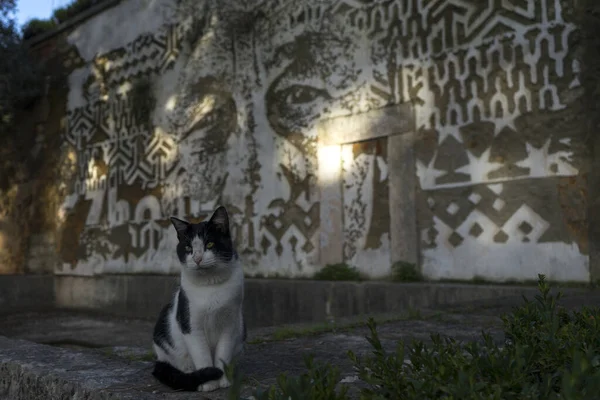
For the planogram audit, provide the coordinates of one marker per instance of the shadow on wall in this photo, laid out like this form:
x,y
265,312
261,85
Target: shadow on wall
x,y
32,167
588,17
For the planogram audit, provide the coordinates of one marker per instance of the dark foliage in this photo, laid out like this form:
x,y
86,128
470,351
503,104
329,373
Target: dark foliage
x,y
549,353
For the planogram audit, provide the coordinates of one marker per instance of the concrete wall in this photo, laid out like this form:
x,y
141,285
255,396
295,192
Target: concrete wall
x,y
443,133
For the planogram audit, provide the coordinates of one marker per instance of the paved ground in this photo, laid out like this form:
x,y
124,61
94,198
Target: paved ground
x,y
129,341
264,358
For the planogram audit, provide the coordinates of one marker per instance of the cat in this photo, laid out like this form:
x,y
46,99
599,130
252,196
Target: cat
x,y
202,329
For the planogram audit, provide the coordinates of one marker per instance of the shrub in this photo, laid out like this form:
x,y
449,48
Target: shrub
x,y
338,272
20,85
318,382
35,27
61,14
549,353
406,272
65,13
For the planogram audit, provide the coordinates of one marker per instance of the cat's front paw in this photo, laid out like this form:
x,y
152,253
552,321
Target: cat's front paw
x,y
209,386
224,382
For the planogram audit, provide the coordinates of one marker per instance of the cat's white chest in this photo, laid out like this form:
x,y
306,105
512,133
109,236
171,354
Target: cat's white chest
x,y
214,308
212,301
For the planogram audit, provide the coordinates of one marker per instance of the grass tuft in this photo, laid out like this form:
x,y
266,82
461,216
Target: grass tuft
x,y
406,272
338,272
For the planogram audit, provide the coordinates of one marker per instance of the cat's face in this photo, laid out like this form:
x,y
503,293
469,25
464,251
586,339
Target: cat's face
x,y
206,245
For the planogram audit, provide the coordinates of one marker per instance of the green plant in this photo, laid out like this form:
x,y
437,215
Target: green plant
x,y
406,272
233,373
35,27
21,83
414,314
549,353
338,272
479,280
319,382
62,14
289,332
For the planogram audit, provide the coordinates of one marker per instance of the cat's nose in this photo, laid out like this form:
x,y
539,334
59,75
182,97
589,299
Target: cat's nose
x,y
197,258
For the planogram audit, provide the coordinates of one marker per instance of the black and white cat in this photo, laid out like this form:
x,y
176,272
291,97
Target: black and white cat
x,y
202,328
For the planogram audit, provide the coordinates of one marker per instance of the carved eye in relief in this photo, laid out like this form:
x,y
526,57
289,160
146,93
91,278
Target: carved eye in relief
x,y
300,94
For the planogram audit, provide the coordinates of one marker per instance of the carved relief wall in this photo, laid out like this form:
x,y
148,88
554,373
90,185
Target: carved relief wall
x,y
205,104
498,139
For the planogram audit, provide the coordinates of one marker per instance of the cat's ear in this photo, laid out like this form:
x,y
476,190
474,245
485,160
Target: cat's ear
x,y
180,225
220,220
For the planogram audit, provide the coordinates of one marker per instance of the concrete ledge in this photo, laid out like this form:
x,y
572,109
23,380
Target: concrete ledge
x,y
30,371
274,302
26,292
140,296
268,302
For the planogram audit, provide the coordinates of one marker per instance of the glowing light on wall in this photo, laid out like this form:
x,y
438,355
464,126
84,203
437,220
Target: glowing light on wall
x,y
330,164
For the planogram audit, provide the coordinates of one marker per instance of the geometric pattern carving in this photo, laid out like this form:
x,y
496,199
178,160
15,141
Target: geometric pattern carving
x,y
281,225
430,202
147,54
525,227
525,216
515,228
474,198
455,239
112,131
470,77
453,208
501,237
492,220
498,204
475,230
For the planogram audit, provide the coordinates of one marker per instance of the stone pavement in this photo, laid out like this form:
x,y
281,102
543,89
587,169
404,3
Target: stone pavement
x,y
98,357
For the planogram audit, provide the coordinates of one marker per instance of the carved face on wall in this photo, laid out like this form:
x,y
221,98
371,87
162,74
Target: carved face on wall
x,y
203,119
317,76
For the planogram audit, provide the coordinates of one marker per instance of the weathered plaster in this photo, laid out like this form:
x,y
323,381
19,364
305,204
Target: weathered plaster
x,y
331,238
511,230
404,240
237,118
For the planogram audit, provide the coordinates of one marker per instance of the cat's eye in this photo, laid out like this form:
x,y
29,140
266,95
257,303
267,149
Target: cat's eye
x,y
188,249
209,245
